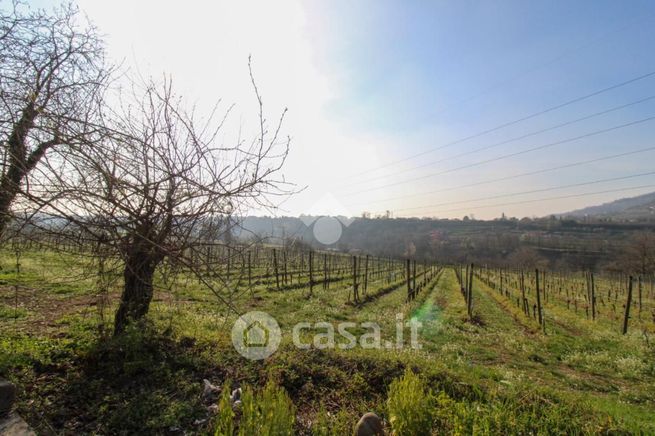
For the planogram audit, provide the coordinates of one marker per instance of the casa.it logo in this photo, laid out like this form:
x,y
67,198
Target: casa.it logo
x,y
256,335
327,218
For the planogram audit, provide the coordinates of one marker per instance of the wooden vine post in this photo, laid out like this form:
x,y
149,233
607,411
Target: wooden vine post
x,y
639,294
593,296
229,261
311,273
526,309
325,272
539,310
409,282
284,263
414,288
355,284
366,274
249,271
626,316
469,292
275,269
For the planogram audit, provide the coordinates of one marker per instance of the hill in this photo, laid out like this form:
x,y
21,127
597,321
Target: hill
x,y
641,207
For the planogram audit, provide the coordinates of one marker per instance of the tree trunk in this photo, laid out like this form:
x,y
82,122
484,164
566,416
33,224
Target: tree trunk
x,y
137,290
7,195
19,161
15,163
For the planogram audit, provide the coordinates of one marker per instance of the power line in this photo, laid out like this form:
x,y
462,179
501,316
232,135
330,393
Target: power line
x,y
550,198
534,191
515,121
517,153
507,141
514,176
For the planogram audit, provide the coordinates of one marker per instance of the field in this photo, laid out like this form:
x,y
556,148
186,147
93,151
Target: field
x,y
495,370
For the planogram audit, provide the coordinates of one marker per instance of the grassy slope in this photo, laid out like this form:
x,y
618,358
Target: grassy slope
x,y
500,372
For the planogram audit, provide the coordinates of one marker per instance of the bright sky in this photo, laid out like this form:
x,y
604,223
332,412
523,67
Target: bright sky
x,y
369,84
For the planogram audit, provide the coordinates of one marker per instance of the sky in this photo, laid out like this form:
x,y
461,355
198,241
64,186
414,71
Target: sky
x,y
421,108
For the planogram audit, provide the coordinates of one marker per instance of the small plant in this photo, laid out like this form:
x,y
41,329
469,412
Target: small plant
x,y
250,421
277,412
8,312
410,406
448,415
225,416
271,413
338,424
321,425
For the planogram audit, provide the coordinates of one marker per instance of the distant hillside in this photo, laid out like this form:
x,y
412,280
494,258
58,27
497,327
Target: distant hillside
x,y
641,207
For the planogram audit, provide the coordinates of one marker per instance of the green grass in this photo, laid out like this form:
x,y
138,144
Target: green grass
x,y
8,313
410,405
499,374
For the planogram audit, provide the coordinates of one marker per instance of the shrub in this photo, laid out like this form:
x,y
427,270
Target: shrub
x,y
410,405
321,425
271,413
225,416
277,412
451,417
339,424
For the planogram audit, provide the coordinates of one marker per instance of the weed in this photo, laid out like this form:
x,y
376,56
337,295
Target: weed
x,y
410,406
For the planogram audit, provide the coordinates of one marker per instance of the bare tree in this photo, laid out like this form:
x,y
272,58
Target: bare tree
x,y
638,255
158,181
52,74
527,258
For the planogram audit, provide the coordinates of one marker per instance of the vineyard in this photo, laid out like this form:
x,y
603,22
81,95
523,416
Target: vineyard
x,y
501,350
327,218
609,300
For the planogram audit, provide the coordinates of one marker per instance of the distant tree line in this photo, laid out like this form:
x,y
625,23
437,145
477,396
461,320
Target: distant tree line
x,y
536,243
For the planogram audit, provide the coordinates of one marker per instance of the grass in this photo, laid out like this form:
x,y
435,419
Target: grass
x,y
499,374
410,405
8,313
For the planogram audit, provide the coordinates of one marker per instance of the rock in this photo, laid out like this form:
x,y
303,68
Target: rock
x,y
369,425
235,399
10,422
213,409
7,397
235,396
209,391
13,425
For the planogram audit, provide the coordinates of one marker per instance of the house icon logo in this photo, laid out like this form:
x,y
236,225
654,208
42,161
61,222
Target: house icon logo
x,y
256,335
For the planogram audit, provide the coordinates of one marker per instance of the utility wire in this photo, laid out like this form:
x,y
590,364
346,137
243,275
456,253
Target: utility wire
x,y
514,176
517,138
517,153
534,191
515,121
550,198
